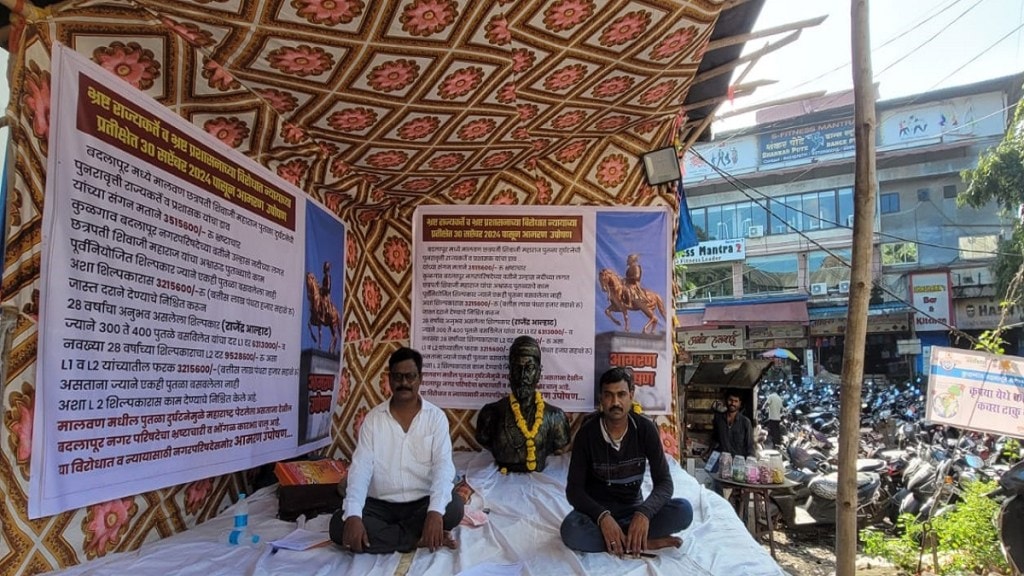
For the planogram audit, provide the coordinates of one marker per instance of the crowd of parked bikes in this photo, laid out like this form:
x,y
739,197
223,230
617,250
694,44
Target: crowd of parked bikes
x,y
904,465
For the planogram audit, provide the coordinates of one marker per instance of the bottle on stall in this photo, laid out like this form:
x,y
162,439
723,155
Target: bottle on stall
x,y
778,469
764,469
752,471
739,469
240,535
725,465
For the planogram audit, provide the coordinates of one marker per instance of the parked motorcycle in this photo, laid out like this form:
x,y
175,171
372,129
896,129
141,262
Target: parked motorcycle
x,y
816,493
1010,522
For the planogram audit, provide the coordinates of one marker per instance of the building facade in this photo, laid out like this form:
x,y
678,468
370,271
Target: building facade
x,y
773,207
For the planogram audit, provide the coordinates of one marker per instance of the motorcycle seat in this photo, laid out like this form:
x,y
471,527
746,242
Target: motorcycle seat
x,y
890,455
827,486
870,464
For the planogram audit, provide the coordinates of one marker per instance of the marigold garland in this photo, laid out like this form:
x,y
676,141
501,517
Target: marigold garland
x,y
538,418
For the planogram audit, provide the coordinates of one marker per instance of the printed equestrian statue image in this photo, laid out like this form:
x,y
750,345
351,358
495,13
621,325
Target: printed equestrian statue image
x,y
624,296
322,311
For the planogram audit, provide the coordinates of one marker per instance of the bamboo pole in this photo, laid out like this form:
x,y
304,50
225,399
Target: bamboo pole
x,y
24,8
744,38
860,287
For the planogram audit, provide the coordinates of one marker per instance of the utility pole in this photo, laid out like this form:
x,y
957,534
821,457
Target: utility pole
x,y
860,287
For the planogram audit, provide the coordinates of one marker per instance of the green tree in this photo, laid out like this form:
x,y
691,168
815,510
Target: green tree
x,y
999,177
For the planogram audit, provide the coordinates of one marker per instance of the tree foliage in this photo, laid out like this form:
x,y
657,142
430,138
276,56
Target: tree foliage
x,y
999,178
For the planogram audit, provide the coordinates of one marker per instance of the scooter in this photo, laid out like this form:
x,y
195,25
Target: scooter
x,y
1010,522
816,494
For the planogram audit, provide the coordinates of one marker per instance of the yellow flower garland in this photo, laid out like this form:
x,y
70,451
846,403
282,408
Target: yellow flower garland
x,y
538,418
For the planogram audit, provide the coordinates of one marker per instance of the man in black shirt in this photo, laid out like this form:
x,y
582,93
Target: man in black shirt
x,y
732,432
609,457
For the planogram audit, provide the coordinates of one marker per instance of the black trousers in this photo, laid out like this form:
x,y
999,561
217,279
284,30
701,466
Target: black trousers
x,y
397,526
775,432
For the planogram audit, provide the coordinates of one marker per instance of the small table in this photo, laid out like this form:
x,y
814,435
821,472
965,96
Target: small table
x,y
760,493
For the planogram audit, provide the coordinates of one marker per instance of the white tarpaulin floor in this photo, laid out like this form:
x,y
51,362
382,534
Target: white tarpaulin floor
x,y
522,527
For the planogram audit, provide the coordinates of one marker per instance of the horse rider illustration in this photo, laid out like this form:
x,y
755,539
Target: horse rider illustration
x,y
325,292
632,292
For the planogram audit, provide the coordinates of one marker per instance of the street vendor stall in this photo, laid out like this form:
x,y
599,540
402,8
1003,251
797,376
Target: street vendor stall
x,y
704,390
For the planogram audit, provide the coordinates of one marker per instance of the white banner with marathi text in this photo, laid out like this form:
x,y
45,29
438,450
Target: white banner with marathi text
x,y
174,302
487,274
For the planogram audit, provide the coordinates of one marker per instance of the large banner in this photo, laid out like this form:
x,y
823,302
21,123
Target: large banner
x,y
976,391
186,328
487,274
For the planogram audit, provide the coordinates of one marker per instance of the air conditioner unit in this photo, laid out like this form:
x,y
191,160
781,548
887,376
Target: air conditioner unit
x,y
849,221
819,289
755,231
844,287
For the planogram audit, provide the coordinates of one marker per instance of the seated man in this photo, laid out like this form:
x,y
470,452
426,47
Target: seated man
x,y
521,430
401,479
609,457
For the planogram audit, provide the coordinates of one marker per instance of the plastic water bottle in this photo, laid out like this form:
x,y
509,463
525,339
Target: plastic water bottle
x,y
240,534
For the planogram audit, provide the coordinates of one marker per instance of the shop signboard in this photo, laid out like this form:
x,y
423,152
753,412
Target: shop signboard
x,y
765,337
810,141
703,341
734,156
713,251
984,314
932,301
881,324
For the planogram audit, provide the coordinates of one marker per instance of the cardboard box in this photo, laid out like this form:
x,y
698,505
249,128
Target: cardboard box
x,y
310,500
298,472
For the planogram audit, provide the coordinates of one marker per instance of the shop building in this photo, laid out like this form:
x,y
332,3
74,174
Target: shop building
x,y
773,207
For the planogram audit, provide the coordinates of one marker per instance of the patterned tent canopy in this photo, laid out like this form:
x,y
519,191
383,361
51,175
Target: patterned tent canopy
x,y
371,107
384,104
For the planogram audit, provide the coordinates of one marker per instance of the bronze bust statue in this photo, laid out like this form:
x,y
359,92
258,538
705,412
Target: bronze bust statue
x,y
521,430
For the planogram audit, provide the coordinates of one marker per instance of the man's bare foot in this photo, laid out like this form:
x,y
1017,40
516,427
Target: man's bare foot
x,y
448,542
666,542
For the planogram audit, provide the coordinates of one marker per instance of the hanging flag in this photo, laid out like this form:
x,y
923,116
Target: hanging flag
x,y
686,236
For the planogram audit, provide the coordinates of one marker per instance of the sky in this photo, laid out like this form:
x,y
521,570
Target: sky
x,y
917,46
973,40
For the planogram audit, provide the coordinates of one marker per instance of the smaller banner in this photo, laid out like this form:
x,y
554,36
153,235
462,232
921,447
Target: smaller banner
x,y
589,283
976,390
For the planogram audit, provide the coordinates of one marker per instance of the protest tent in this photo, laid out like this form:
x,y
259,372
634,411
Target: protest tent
x,y
370,109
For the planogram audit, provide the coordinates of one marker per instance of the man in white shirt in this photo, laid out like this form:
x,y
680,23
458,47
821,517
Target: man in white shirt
x,y
774,406
400,484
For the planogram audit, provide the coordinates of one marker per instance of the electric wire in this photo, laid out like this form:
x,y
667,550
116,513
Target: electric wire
x,y
733,182
739,132
927,40
812,167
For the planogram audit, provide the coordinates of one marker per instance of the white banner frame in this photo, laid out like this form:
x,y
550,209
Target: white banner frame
x,y
976,391
171,336
487,274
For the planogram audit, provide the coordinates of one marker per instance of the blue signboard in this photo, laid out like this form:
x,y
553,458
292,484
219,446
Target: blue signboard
x,y
807,141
